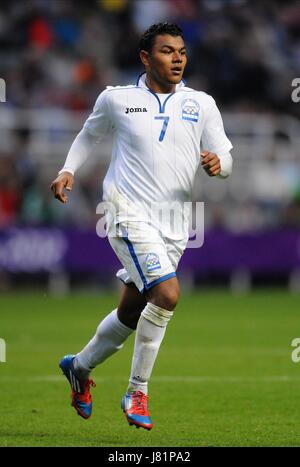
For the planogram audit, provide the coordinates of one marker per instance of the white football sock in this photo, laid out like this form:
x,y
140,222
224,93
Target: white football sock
x,y
150,332
109,337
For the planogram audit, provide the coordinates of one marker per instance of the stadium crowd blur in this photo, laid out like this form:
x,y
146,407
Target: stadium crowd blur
x,y
59,54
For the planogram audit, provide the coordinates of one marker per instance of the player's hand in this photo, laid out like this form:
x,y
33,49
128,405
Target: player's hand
x,y
64,181
210,163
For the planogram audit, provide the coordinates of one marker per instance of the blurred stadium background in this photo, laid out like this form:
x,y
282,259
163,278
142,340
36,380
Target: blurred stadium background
x,y
57,55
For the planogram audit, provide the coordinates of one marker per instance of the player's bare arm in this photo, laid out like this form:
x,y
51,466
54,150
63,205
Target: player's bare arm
x,y
64,181
211,163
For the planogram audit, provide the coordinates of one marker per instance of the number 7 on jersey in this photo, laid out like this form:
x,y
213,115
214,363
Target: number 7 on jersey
x,y
164,127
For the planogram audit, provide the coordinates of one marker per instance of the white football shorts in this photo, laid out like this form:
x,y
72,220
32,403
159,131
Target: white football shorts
x,y
147,257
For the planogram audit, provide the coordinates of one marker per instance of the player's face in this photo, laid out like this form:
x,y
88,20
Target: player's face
x,y
167,60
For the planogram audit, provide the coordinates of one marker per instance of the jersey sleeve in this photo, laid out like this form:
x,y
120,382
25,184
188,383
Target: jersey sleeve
x,y
79,151
99,122
214,138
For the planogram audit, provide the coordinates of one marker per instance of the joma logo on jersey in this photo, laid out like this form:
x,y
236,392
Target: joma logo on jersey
x,y
135,109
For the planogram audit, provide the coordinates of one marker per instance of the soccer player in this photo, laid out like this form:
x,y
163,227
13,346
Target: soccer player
x,y
162,130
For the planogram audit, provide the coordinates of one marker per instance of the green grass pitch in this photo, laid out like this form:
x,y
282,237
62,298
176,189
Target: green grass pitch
x,y
224,375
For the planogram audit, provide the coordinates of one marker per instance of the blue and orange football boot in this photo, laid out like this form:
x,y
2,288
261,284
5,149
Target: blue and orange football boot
x,y
81,396
135,408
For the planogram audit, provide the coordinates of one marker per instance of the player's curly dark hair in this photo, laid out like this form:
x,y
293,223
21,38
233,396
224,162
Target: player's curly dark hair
x,y
147,39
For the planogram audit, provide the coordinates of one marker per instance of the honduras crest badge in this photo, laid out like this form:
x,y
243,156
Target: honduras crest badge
x,y
152,262
190,110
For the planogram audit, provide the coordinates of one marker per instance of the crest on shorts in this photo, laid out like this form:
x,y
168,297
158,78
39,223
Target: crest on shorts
x,y
152,262
190,110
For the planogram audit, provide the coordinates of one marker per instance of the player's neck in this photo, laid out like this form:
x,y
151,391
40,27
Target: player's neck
x,y
159,88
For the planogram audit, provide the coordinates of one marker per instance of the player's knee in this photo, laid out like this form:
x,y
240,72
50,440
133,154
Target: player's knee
x,y
169,299
129,317
166,297
131,305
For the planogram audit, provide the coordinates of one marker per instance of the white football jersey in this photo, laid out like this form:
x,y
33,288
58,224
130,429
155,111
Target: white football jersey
x,y
157,139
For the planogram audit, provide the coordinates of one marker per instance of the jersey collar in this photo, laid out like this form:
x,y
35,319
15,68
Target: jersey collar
x,y
141,82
